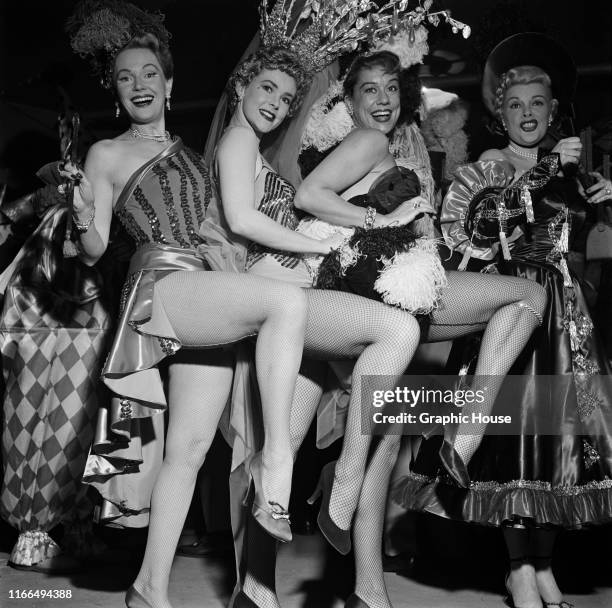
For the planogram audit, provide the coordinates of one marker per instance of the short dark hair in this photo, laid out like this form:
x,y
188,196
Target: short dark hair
x,y
274,58
409,81
150,42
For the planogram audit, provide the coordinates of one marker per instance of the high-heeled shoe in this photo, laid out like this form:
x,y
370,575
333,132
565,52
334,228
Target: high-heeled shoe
x,y
274,518
452,462
134,599
242,600
337,537
354,601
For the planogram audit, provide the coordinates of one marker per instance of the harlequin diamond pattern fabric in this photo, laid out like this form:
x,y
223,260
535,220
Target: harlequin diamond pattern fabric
x,y
51,374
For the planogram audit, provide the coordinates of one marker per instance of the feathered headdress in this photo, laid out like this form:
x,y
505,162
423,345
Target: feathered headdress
x,y
326,29
99,29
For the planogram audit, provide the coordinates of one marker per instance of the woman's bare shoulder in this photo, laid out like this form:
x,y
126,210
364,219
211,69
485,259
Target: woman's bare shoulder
x,y
237,137
367,137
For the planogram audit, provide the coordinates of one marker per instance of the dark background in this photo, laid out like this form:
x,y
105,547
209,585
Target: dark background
x,y
38,71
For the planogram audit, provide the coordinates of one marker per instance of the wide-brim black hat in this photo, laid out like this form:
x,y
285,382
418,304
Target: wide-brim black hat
x,y
530,48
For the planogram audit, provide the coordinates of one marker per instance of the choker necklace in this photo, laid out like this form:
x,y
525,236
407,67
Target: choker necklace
x,y
136,134
523,153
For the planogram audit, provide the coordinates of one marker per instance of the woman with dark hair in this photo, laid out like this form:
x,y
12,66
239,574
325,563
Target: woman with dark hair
x,y
370,177
556,472
172,303
509,309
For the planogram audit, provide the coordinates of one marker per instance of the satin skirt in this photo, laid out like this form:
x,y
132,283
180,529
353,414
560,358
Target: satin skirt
x,y
562,479
127,450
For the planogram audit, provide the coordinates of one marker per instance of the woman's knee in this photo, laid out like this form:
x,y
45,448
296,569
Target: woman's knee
x,y
189,451
289,302
403,329
537,298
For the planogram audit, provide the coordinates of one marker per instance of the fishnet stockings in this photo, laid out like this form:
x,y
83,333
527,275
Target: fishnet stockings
x,y
369,524
339,326
343,326
460,314
204,309
260,559
510,308
507,331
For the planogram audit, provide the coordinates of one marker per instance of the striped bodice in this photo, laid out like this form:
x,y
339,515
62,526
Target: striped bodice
x,y
275,195
167,199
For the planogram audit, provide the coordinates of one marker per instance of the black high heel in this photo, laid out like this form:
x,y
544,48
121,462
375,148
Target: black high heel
x,y
134,599
452,462
354,601
274,518
242,600
338,538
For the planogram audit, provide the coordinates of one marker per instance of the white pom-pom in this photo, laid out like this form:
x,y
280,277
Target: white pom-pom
x,y
413,279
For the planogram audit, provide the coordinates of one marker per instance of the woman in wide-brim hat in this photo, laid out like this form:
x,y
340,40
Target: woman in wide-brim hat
x,y
555,471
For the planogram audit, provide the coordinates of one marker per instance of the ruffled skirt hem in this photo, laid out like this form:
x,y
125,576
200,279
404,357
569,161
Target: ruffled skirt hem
x,y
494,503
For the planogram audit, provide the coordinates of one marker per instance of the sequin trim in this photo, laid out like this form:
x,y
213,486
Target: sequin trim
x,y
195,189
132,228
518,484
534,179
125,292
125,409
171,212
169,346
277,204
192,233
198,163
156,231
591,455
580,327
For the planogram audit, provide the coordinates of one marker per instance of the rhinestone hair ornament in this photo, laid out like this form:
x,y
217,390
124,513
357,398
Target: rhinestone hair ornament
x,y
327,29
99,29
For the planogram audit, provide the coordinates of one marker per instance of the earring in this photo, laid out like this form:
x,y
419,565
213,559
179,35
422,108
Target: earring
x,y
349,106
550,120
117,109
168,103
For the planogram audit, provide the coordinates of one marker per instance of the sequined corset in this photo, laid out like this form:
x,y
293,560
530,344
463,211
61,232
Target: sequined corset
x,y
276,201
166,200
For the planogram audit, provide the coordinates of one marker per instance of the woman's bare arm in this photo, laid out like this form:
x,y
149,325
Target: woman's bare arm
x,y
93,193
361,152
236,162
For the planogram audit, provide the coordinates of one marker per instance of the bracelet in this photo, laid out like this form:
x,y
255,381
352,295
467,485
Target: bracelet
x,y
370,218
83,227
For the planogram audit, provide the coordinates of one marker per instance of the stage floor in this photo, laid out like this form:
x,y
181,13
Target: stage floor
x,y
309,576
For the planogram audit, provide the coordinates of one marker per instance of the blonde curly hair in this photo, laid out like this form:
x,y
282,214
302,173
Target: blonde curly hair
x,y
523,74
